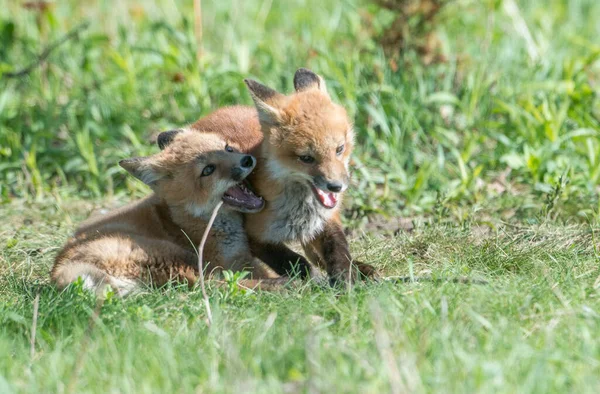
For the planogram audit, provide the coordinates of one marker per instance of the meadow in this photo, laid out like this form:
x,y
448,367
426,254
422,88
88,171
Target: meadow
x,y
478,156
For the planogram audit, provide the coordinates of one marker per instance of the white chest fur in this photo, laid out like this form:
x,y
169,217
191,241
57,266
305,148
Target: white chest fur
x,y
297,215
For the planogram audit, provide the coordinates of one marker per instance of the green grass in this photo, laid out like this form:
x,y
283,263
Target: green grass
x,y
533,328
444,131
492,155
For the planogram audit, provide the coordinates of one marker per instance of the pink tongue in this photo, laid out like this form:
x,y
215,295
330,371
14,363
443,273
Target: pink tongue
x,y
236,192
328,199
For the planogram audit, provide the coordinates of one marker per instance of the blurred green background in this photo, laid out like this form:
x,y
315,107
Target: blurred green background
x,y
491,104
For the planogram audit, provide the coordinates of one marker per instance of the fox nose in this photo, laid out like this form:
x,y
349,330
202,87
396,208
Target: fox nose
x,y
247,161
335,187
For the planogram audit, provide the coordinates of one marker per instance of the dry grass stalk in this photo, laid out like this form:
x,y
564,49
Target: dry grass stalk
x,y
201,261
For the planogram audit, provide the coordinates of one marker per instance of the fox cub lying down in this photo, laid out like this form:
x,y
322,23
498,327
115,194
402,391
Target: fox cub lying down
x,y
147,241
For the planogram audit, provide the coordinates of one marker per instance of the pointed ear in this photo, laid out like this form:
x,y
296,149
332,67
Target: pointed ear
x,y
144,169
266,101
166,137
304,80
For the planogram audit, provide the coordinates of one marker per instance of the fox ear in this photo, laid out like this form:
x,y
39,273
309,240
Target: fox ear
x,y
166,137
143,168
266,101
304,80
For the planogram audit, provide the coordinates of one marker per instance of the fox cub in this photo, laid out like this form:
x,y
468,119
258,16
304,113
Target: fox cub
x,y
303,144
153,240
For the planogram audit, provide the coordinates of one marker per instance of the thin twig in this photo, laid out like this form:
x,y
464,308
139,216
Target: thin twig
x,y
198,28
36,305
85,344
201,261
46,52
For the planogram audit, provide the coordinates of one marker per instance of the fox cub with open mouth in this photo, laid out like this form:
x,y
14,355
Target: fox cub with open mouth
x,y
303,143
153,240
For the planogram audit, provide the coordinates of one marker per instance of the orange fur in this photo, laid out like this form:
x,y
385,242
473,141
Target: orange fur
x,y
280,132
147,241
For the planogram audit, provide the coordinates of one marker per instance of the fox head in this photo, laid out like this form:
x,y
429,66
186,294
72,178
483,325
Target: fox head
x,y
307,137
195,171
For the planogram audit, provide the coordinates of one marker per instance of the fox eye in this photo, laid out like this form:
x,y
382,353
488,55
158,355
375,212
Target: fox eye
x,y
306,159
228,148
209,169
339,149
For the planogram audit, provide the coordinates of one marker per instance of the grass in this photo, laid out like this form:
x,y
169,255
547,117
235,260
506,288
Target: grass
x,y
491,157
533,328
444,131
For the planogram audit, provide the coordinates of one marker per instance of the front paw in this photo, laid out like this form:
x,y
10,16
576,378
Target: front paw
x,y
366,271
350,274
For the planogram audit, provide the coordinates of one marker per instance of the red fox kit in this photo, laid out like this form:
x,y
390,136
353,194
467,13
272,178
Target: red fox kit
x,y
147,241
303,144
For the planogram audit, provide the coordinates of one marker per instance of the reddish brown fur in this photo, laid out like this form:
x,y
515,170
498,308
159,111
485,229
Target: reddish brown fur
x,y
311,124
238,125
147,241
284,128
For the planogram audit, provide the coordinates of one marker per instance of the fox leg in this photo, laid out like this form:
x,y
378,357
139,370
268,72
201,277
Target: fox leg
x,y
330,249
123,263
281,259
93,278
161,261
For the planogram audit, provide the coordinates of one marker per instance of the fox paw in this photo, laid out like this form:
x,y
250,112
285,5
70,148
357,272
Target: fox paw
x,y
366,271
358,271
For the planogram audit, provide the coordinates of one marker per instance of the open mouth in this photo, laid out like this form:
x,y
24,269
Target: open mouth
x,y
241,198
327,199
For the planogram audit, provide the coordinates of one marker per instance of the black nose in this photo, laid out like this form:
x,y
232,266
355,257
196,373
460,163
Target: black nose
x,y
247,161
334,186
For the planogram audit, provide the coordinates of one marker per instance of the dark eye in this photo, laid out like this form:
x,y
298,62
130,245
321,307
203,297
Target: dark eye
x,y
306,159
228,148
339,149
209,169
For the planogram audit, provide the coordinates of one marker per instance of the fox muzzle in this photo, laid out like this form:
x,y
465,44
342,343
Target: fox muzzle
x,y
329,185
